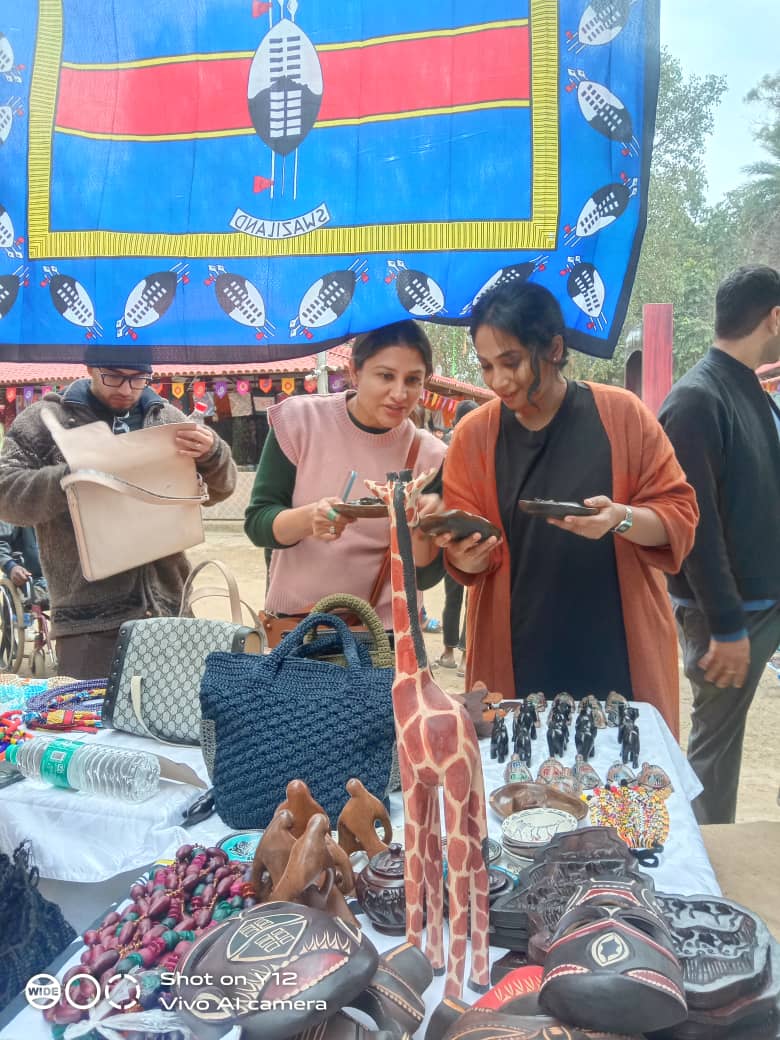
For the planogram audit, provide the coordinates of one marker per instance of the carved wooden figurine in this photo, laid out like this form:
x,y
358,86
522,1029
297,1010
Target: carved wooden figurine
x,y
272,854
630,742
312,869
523,745
529,718
437,747
627,713
516,721
557,734
313,874
585,740
357,823
480,704
585,733
499,739
302,804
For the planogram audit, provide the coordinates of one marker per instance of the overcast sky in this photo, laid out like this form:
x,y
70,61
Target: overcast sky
x,y
740,40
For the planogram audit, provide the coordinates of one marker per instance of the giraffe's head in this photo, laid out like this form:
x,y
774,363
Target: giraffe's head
x,y
403,490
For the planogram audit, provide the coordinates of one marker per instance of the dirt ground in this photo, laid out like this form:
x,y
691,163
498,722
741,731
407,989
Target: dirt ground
x,y
225,540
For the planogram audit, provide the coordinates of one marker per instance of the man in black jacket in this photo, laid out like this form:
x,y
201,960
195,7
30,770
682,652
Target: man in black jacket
x,y
726,432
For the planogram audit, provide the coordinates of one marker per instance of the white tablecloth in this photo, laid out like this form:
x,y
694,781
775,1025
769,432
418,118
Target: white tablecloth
x,y
133,836
80,837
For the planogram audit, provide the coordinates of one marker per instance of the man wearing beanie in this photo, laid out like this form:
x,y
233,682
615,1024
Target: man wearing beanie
x,y
86,616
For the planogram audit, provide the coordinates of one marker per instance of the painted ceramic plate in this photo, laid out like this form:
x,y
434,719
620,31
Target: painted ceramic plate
x,y
361,508
516,864
535,827
548,507
493,850
459,524
241,847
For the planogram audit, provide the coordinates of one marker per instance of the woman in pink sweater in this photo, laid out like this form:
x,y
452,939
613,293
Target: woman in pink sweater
x,y
313,444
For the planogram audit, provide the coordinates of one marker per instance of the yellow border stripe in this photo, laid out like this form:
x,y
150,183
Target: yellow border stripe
x,y
43,98
204,135
545,119
374,41
325,124
538,233
150,63
429,34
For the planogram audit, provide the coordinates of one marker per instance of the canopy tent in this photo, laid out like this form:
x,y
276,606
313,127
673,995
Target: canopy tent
x,y
245,180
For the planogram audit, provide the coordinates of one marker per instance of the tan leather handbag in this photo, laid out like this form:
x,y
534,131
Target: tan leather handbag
x,y
116,490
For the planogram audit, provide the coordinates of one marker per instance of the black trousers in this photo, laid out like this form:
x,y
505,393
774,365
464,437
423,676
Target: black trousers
x,y
454,634
719,715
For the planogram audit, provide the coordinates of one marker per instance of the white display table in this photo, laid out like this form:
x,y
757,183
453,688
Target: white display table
x,y
75,837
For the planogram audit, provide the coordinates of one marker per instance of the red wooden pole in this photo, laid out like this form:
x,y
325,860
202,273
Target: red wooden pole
x,y
657,341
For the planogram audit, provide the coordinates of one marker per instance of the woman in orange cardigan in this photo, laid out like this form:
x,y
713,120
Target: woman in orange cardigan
x,y
578,603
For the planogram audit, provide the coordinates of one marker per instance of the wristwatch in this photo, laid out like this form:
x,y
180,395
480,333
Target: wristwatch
x,y
626,523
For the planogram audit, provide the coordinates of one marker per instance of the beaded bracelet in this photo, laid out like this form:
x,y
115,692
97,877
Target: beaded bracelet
x,y
11,731
84,721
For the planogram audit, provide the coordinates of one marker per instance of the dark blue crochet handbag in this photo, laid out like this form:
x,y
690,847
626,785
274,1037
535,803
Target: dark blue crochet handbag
x,y
291,715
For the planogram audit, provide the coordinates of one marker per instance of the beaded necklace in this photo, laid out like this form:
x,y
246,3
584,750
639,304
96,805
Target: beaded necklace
x,y
169,911
74,706
640,817
72,693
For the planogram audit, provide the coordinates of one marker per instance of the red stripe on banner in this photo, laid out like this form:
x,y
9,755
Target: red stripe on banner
x,y
194,96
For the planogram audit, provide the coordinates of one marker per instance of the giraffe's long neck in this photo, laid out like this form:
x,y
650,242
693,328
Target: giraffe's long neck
x,y
410,655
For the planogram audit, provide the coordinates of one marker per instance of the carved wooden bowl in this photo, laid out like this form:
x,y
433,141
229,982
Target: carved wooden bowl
x,y
512,798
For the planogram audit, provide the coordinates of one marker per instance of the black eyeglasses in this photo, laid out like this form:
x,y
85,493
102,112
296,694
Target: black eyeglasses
x,y
114,380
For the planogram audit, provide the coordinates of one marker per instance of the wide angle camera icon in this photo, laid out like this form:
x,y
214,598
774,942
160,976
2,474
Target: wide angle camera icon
x,y
42,991
121,991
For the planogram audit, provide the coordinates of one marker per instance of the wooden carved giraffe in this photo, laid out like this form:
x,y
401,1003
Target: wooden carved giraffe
x,y
437,748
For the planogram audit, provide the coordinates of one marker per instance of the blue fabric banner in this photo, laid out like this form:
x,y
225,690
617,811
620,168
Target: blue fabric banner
x,y
244,179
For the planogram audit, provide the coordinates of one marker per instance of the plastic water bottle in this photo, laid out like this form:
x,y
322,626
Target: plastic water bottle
x,y
129,775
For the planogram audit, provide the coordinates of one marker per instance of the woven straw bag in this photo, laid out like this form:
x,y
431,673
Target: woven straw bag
x,y
295,714
382,655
